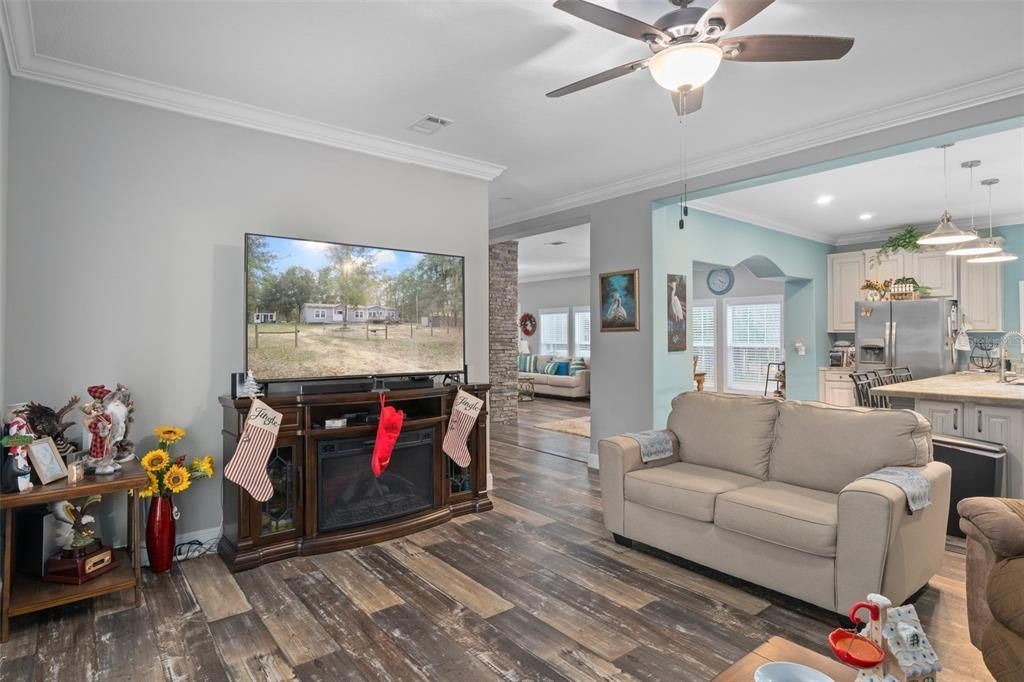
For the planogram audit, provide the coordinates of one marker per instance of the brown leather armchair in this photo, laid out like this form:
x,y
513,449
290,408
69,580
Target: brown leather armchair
x,y
995,582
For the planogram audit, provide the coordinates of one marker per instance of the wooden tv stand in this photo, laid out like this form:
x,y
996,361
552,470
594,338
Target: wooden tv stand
x,y
288,525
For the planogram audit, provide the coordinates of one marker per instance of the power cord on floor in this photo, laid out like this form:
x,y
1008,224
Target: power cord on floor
x,y
194,549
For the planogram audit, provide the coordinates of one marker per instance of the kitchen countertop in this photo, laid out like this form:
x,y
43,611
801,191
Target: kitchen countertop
x,y
974,387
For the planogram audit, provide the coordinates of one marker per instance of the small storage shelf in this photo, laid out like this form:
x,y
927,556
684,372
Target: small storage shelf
x,y
30,594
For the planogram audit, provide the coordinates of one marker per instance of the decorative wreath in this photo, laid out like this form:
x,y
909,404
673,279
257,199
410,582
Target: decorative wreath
x,y
527,324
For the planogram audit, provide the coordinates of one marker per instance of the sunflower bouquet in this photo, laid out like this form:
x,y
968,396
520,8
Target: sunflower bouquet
x,y
168,476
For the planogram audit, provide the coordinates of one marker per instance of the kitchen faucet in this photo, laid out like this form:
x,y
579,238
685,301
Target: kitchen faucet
x,y
1002,352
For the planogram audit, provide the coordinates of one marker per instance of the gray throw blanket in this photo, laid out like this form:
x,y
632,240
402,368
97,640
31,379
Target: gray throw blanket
x,y
915,486
654,445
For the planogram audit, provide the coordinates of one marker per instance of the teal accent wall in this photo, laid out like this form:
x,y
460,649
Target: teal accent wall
x,y
714,239
1013,273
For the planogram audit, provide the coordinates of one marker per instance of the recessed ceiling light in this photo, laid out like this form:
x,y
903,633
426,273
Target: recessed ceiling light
x,y
866,216
558,243
824,200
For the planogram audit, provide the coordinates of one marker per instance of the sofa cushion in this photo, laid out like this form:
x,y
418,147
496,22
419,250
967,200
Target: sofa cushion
x,y
827,448
783,514
730,432
680,488
538,379
1005,596
564,382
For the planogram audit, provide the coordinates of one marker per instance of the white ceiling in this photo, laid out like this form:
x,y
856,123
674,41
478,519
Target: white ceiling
x,y
897,191
540,260
356,74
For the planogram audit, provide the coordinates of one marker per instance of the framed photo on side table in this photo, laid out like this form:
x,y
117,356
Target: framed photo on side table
x,y
46,460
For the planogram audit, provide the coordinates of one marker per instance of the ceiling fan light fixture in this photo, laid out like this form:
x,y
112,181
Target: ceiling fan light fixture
x,y
947,233
685,67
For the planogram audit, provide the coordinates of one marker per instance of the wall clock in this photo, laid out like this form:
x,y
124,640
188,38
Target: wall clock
x,y
721,280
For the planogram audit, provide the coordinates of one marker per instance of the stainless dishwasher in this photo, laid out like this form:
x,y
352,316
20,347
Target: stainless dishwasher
x,y
978,468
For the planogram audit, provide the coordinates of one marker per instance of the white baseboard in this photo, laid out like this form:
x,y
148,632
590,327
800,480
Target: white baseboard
x,y
592,460
490,481
207,536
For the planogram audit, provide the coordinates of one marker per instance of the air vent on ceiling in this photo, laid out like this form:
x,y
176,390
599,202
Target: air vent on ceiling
x,y
558,243
430,124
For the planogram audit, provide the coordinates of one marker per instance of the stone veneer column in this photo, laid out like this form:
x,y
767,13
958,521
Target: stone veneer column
x,y
504,331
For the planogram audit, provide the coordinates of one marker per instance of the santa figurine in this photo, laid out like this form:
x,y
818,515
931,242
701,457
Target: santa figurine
x,y
17,473
98,424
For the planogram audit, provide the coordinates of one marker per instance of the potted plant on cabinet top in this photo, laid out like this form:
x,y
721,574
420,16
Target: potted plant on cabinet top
x,y
166,478
904,240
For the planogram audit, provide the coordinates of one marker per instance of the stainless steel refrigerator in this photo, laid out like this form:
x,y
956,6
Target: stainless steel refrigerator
x,y
914,334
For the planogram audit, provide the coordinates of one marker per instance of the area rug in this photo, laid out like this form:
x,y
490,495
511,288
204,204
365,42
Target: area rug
x,y
579,426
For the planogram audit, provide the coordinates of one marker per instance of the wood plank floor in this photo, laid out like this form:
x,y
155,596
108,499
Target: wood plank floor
x,y
533,590
524,433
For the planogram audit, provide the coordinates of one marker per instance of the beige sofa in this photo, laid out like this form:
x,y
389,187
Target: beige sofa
x,y
770,491
576,386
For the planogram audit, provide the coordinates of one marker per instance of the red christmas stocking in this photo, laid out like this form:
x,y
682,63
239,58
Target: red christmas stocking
x,y
248,466
465,410
388,428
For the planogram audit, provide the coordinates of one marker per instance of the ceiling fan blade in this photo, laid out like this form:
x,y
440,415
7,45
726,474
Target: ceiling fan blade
x,y
612,20
694,98
638,65
784,48
731,13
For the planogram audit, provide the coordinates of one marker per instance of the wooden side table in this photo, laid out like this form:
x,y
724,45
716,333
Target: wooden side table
x,y
24,593
779,649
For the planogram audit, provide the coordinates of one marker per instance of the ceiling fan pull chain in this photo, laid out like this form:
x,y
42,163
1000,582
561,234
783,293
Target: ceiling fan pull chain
x,y
682,156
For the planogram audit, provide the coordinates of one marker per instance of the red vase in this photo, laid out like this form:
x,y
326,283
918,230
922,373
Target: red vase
x,y
160,534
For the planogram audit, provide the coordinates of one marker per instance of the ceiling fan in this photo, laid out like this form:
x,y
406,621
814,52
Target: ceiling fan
x,y
689,43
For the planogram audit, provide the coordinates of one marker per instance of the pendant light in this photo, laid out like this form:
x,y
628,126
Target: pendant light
x,y
997,256
946,232
977,247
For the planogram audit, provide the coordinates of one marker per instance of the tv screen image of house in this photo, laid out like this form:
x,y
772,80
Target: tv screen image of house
x,y
318,310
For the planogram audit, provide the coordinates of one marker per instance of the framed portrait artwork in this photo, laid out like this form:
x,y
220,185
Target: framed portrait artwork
x,y
620,301
46,460
676,290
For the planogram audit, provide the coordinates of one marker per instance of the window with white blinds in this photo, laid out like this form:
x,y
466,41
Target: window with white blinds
x,y
702,326
581,332
753,339
554,332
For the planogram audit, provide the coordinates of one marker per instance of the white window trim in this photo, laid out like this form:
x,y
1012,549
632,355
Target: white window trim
x,y
540,331
721,327
574,350
712,303
720,304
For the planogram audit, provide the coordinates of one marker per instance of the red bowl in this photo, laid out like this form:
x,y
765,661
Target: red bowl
x,y
855,650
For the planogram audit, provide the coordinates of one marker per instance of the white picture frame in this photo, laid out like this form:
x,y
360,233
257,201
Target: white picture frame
x,y
46,460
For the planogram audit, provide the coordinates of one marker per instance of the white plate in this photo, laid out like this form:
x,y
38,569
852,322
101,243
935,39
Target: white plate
x,y
789,672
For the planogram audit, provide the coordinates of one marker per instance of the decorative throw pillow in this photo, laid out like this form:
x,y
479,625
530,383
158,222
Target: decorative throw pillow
x,y
527,363
576,365
563,368
550,367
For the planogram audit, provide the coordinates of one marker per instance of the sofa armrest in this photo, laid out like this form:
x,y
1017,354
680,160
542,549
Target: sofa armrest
x,y
881,547
584,375
617,456
992,518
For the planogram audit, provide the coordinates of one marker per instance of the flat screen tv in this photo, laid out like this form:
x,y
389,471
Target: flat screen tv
x,y
321,310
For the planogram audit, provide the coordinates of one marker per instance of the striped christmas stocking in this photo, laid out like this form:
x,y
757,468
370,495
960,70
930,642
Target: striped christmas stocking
x,y
465,410
248,467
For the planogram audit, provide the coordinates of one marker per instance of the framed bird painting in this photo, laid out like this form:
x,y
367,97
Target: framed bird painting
x,y
620,301
676,313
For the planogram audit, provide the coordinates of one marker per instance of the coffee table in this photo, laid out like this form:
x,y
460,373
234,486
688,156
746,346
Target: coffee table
x,y
779,649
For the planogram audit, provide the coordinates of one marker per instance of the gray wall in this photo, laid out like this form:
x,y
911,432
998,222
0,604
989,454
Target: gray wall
x,y
127,224
5,101
552,293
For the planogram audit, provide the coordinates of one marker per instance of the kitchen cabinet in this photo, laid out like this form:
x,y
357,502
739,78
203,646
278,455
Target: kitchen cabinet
x,y
990,423
845,275
835,387
932,268
891,266
981,295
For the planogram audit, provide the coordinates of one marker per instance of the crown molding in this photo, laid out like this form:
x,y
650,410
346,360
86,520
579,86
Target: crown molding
x,y
950,100
554,275
998,221
26,62
710,206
